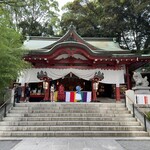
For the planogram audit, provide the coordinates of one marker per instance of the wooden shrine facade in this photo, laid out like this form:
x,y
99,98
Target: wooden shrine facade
x,y
74,52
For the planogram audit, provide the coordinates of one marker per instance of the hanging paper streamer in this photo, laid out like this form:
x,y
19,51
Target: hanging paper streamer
x,y
67,96
89,97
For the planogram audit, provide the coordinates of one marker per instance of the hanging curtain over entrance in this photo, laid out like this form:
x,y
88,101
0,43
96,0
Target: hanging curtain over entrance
x,y
110,76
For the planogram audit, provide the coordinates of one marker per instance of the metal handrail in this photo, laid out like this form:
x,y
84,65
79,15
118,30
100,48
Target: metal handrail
x,y
4,105
133,106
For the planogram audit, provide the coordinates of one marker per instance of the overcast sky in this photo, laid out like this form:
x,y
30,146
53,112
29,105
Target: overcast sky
x,y
62,3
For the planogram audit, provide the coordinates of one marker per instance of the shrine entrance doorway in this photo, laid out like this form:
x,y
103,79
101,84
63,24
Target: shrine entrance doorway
x,y
70,82
105,90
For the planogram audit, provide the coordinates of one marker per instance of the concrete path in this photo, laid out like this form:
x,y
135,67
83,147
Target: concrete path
x,y
74,144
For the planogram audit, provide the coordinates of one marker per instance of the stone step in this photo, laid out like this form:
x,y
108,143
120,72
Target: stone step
x,y
71,128
73,134
69,115
68,111
69,119
69,123
71,105
73,108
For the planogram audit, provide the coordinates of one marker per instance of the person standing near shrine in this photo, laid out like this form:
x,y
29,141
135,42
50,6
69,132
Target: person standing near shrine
x,y
18,93
27,93
15,92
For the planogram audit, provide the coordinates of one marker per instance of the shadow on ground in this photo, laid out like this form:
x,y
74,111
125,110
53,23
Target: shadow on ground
x,y
8,144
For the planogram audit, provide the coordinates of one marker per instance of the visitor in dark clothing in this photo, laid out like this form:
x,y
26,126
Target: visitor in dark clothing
x,y
27,93
18,93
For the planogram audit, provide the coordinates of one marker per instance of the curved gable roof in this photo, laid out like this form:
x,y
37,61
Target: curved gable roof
x,y
65,45
95,44
71,36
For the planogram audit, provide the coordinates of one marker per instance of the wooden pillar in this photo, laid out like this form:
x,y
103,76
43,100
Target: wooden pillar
x,y
94,97
128,78
46,86
118,92
94,90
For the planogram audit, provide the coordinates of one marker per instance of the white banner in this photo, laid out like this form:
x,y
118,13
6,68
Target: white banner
x,y
142,99
110,76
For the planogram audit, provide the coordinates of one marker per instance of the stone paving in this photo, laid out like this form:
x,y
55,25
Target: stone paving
x,y
135,144
8,144
75,144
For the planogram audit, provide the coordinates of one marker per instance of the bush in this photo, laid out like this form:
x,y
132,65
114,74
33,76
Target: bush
x,y
148,115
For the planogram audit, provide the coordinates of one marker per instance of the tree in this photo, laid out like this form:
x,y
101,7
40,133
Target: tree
x,y
129,19
11,62
84,15
30,16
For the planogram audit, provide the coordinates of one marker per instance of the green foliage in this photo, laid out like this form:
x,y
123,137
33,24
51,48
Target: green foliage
x,y
5,94
37,29
11,62
148,115
129,19
84,15
33,17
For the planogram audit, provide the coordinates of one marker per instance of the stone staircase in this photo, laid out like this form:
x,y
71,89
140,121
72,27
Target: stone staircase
x,y
70,120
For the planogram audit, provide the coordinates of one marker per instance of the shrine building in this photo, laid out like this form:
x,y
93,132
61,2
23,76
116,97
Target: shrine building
x,y
74,60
